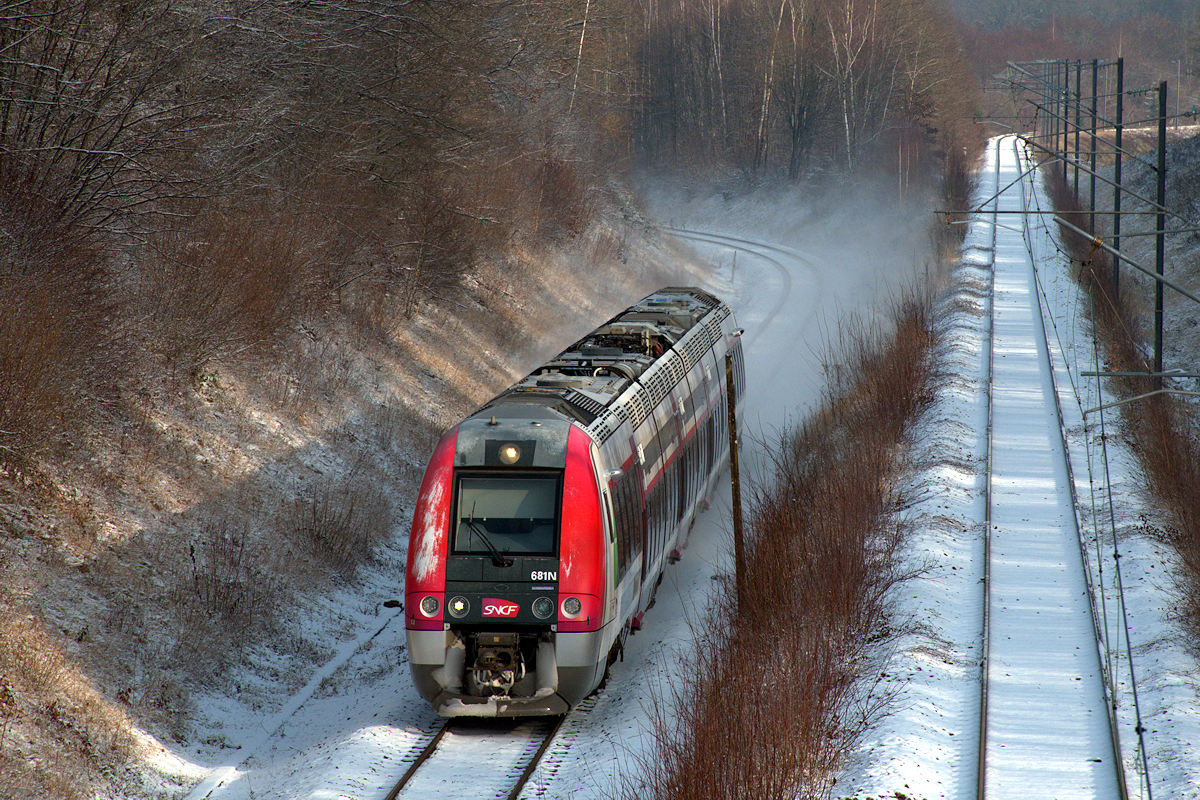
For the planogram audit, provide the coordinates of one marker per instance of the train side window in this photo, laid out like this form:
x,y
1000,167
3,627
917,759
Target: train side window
x,y
621,501
653,449
713,447
706,450
639,514
696,477
651,532
633,538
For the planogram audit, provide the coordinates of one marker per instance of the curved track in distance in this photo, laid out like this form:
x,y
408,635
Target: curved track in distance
x,y
763,250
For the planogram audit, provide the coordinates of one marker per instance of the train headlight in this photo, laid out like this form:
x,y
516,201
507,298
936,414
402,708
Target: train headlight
x,y
509,454
571,607
458,607
430,605
543,607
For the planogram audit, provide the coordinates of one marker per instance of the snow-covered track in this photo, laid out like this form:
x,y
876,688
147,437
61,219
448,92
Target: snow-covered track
x,y
767,252
1045,729
470,758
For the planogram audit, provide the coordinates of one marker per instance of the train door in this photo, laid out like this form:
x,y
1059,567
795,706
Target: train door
x,y
644,437
679,475
687,468
611,547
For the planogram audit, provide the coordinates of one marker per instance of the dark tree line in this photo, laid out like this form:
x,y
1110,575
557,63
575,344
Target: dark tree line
x,y
773,83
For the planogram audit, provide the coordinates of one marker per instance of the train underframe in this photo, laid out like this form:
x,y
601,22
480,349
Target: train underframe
x,y
505,673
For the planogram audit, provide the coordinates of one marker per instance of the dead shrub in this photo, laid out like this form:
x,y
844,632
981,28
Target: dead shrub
x,y
224,583
784,669
340,525
565,210
229,288
63,352
440,245
86,115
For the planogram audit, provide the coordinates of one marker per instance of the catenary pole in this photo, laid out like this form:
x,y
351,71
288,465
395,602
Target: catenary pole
x,y
739,552
1092,152
1116,277
1079,95
1160,224
1066,109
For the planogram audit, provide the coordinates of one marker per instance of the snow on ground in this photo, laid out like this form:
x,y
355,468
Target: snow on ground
x,y
926,747
347,732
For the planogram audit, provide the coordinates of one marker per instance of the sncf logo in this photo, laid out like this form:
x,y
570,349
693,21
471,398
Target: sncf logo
x,y
494,607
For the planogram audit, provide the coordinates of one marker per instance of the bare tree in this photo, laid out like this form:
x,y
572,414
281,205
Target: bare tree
x,y
80,121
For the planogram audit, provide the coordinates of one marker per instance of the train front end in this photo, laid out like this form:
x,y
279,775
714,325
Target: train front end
x,y
505,586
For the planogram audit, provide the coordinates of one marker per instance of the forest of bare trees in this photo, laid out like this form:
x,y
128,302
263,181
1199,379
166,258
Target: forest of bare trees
x,y
182,182
791,84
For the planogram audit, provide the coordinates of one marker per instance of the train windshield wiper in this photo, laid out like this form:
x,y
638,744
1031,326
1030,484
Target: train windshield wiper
x,y
498,558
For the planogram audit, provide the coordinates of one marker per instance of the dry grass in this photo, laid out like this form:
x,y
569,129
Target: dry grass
x,y
784,670
55,727
1161,429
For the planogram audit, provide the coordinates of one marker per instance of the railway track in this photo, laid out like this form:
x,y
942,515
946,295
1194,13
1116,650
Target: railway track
x,y
1045,721
486,759
769,253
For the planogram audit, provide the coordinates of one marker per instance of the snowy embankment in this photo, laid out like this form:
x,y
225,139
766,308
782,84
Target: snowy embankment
x,y
929,745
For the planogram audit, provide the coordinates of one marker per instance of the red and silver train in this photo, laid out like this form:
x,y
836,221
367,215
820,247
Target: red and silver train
x,y
546,517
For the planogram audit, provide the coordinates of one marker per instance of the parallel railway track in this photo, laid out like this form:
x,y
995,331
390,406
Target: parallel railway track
x,y
1045,725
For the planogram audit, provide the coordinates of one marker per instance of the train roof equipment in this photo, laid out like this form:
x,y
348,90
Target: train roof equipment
x,y
647,348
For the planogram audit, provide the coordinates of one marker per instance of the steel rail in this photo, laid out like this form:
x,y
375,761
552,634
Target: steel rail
x,y
527,773
985,654
422,757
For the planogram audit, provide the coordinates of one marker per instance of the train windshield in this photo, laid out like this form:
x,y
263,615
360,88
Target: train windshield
x,y
506,514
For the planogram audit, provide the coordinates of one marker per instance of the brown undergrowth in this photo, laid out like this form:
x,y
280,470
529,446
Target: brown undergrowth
x,y
51,747
772,697
1160,429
